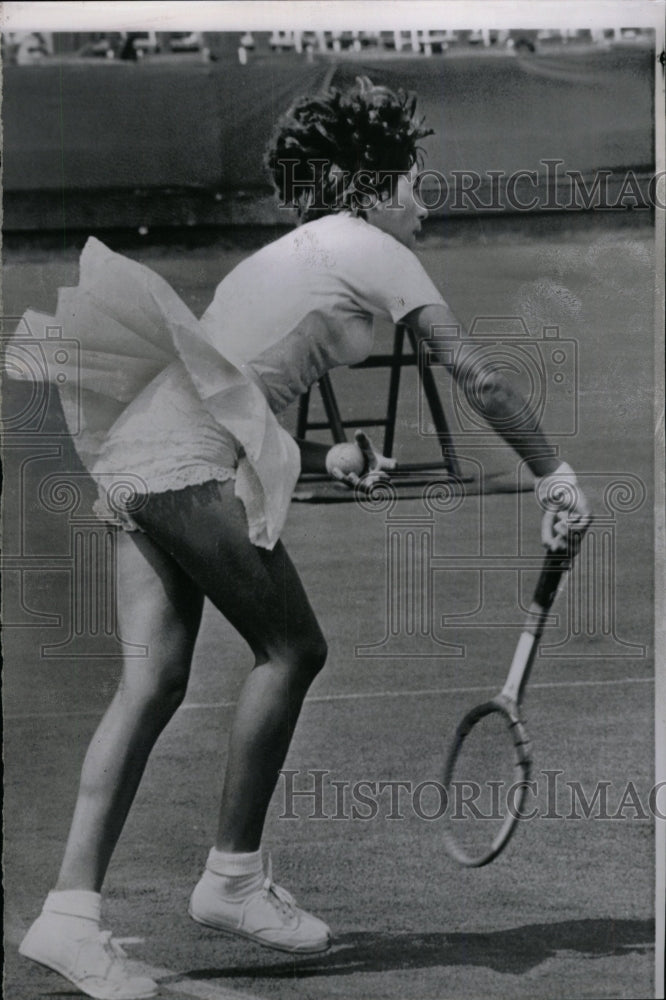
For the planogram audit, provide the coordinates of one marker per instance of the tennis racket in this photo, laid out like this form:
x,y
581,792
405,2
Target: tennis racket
x,y
489,762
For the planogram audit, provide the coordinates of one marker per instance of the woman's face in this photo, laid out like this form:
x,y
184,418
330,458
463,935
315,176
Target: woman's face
x,y
400,214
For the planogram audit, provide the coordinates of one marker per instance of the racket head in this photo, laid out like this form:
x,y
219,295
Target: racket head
x,y
515,734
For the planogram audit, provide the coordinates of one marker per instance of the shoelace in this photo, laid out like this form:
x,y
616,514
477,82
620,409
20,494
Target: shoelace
x,y
114,951
284,898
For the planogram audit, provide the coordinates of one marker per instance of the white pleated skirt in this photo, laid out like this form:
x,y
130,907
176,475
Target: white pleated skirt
x,y
152,406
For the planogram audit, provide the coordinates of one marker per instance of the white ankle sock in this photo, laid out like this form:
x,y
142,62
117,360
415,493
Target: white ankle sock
x,y
228,863
235,875
74,903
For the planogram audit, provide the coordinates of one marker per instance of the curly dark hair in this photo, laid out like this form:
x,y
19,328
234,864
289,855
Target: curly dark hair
x,y
339,150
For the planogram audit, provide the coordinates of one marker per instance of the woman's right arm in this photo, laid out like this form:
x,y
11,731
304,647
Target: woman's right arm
x,y
313,455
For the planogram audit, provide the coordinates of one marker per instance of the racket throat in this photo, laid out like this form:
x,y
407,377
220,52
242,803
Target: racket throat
x,y
525,653
521,666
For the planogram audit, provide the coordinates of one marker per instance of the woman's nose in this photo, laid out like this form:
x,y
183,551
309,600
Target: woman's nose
x,y
421,210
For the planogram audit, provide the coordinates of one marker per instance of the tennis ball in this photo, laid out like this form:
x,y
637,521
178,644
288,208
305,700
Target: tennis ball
x,y
346,457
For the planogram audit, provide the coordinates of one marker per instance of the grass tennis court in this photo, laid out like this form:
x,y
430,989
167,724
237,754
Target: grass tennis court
x,y
568,910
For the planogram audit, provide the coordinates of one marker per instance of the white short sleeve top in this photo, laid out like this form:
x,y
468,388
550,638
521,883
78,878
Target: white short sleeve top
x,y
305,303
162,398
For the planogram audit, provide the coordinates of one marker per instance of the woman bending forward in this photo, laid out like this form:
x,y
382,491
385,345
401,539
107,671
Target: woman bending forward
x,y
177,427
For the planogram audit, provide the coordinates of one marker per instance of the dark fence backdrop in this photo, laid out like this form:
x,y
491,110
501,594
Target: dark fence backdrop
x,y
116,144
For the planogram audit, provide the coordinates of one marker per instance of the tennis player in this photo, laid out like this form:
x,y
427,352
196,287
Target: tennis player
x,y
177,425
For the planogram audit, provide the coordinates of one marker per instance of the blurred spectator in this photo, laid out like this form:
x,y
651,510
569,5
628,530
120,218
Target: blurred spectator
x,y
31,48
186,41
28,48
128,49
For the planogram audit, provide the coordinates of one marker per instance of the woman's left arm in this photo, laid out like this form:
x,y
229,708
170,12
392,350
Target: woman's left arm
x,y
491,394
487,389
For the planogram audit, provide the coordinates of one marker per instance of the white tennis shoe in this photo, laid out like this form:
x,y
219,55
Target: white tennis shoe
x,y
88,957
268,915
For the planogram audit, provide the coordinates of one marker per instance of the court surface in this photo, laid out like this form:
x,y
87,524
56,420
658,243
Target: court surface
x,y
568,910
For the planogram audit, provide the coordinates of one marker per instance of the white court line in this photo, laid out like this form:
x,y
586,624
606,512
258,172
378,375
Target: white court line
x,y
358,696
185,987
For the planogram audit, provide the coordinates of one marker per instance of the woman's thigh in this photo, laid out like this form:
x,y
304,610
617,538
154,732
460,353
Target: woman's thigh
x,y
159,609
154,594
204,528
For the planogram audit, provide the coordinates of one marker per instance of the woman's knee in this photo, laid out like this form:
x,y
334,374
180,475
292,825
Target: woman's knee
x,y
314,654
156,684
306,656
156,693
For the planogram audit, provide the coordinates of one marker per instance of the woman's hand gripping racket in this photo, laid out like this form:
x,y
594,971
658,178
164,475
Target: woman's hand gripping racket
x,y
489,762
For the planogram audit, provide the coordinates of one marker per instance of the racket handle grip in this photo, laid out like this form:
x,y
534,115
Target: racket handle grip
x,y
555,565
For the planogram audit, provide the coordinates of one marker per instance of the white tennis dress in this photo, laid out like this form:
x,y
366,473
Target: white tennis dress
x,y
163,400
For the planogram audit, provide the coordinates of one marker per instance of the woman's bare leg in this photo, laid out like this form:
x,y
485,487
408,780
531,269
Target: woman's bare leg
x,y
158,606
258,591
260,594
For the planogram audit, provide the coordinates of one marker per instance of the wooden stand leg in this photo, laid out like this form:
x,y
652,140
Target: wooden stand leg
x,y
332,411
394,387
437,412
395,362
